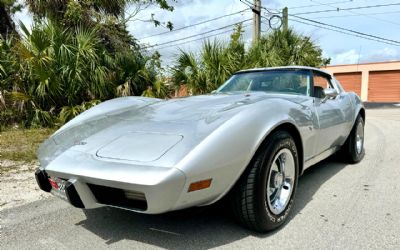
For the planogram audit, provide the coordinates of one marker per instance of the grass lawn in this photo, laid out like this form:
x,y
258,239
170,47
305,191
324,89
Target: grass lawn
x,y
22,144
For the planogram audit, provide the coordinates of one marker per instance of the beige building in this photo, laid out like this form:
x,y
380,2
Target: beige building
x,y
373,82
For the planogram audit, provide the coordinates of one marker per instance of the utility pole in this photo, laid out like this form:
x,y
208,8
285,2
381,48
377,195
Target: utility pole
x,y
256,20
285,17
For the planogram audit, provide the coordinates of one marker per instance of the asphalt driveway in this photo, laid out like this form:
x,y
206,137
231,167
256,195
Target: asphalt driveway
x,y
338,206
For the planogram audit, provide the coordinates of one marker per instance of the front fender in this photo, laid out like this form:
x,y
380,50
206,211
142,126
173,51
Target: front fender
x,y
225,153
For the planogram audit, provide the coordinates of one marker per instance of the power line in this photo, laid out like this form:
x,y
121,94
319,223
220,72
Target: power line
x,y
362,14
338,29
272,11
209,31
251,6
375,13
270,25
353,31
247,3
342,32
266,25
305,6
195,24
393,42
353,8
313,5
198,39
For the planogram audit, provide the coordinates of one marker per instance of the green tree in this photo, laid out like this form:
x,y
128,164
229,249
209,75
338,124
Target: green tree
x,y
10,79
285,47
216,61
55,68
64,65
68,70
212,66
108,17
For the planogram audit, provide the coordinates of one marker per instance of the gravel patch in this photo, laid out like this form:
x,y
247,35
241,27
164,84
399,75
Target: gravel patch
x,y
18,185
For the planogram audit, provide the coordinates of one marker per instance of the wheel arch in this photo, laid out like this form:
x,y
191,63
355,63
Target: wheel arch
x,y
294,132
362,113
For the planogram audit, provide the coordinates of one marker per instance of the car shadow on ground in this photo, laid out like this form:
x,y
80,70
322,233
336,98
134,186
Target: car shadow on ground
x,y
198,228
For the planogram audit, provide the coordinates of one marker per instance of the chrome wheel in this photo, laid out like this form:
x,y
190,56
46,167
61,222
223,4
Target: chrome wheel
x,y
280,182
359,137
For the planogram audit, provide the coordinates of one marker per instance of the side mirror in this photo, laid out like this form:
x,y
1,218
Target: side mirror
x,y
214,91
329,94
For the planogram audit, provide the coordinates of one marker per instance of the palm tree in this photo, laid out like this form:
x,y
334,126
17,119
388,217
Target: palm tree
x,y
58,68
217,61
77,54
54,73
285,47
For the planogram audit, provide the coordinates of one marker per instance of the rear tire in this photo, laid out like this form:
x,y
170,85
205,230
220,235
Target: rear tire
x,y
263,197
353,149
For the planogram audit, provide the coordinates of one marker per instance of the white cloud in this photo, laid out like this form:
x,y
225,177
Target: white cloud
x,y
346,57
385,54
378,55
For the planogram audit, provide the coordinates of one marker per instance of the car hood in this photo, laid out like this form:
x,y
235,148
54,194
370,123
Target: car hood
x,y
159,132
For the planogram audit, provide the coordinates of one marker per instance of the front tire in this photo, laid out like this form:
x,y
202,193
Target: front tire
x,y
263,197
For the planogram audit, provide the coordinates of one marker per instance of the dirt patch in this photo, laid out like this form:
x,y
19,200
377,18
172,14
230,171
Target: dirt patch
x,y
17,184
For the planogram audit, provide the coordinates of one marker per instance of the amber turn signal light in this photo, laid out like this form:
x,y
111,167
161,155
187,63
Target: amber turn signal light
x,y
199,185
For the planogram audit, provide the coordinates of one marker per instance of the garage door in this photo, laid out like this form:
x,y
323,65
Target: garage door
x,y
384,86
350,81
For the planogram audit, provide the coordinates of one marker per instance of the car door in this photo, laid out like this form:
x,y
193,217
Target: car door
x,y
331,114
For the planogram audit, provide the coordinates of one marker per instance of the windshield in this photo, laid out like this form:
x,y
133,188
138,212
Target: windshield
x,y
276,81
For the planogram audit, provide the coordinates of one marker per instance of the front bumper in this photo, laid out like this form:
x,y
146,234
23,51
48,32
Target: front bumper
x,y
72,195
97,183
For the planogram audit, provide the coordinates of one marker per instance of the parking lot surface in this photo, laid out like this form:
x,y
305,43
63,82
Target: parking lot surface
x,y
338,206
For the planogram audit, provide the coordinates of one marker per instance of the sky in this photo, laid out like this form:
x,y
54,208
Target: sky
x,y
382,22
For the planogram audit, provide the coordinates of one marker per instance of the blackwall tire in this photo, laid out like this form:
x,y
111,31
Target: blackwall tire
x,y
264,195
353,149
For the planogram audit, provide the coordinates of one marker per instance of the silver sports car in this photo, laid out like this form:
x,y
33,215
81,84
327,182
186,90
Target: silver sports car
x,y
248,141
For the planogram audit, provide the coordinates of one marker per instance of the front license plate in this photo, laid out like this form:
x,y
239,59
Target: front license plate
x,y
58,187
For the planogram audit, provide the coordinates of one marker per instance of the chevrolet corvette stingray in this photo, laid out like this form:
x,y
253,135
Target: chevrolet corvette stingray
x,y
248,141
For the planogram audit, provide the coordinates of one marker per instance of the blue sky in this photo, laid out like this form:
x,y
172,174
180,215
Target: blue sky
x,y
342,49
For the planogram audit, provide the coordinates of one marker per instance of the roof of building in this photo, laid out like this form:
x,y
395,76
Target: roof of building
x,y
368,63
